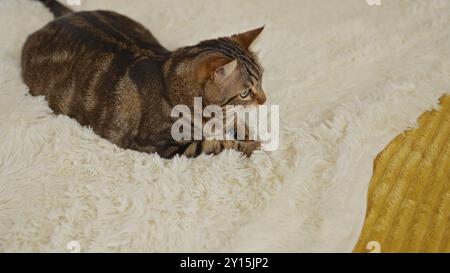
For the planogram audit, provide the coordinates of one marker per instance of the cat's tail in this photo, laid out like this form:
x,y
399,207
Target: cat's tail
x,y
56,8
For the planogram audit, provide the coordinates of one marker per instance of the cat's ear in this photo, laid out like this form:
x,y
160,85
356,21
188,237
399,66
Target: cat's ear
x,y
216,68
224,71
245,39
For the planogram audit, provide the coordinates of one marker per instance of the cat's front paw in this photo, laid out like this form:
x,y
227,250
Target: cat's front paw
x,y
248,147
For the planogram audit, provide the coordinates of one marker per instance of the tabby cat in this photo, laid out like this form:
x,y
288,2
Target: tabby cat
x,y
109,72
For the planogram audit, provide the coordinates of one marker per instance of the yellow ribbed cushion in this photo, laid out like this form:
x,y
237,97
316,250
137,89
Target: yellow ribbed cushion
x,y
409,194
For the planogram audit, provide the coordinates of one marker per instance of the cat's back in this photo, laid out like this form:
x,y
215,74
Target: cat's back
x,y
94,30
82,43
111,29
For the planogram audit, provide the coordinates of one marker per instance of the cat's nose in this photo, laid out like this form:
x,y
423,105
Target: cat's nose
x,y
260,97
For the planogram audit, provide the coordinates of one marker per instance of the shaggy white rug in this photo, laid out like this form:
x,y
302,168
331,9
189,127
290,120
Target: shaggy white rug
x,y
348,77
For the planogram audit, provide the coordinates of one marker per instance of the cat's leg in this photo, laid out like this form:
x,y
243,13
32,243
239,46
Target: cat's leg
x,y
142,148
166,151
217,146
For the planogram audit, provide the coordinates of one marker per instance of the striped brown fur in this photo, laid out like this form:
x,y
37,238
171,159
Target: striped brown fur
x,y
109,72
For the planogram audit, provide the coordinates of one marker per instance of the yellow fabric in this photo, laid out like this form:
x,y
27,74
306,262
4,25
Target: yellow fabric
x,y
409,194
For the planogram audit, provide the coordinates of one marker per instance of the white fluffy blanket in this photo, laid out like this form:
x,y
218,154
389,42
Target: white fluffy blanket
x,y
348,77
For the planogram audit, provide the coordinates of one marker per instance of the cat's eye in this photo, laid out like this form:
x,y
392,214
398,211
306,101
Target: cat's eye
x,y
245,93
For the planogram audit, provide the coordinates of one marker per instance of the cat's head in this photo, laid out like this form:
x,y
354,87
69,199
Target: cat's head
x,y
222,71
